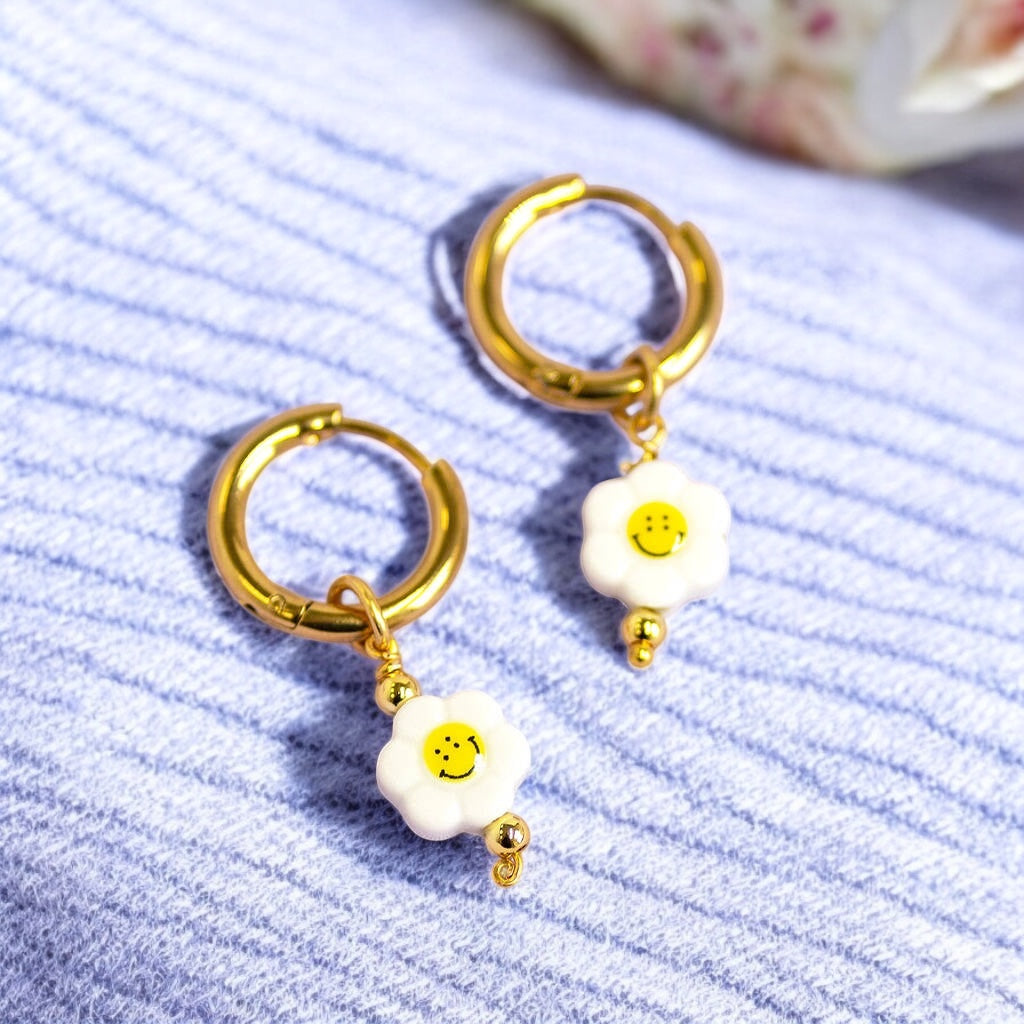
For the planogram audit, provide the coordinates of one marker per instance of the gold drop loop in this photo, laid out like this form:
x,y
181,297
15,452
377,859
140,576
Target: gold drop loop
x,y
507,869
381,643
642,422
394,684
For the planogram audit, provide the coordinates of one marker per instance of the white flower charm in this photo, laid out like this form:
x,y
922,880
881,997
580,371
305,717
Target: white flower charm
x,y
453,764
654,539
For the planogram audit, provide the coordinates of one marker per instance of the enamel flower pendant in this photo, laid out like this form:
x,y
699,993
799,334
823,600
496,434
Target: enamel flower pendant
x,y
656,540
453,764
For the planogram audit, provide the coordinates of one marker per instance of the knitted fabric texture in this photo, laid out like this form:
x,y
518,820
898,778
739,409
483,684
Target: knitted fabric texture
x,y
810,809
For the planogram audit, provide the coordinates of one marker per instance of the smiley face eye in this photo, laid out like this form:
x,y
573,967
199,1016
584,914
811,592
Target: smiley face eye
x,y
454,752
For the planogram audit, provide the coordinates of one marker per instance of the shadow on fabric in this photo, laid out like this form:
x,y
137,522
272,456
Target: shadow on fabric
x,y
989,187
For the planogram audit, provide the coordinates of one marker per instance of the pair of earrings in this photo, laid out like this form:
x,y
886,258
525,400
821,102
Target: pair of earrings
x,y
653,538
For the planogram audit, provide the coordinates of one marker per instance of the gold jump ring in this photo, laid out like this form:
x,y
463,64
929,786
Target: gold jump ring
x,y
324,620
559,383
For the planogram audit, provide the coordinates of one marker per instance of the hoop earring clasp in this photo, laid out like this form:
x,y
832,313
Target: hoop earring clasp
x,y
559,383
284,609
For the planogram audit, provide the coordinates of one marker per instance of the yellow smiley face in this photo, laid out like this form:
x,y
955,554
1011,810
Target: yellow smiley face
x,y
656,529
453,751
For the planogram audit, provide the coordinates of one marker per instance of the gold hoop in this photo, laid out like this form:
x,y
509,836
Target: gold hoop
x,y
559,383
321,620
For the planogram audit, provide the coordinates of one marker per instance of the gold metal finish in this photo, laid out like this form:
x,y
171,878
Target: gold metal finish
x,y
394,684
507,870
322,620
644,630
639,377
641,421
506,837
381,642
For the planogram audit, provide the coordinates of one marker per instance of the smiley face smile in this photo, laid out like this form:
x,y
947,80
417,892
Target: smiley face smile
x,y
453,751
677,540
472,768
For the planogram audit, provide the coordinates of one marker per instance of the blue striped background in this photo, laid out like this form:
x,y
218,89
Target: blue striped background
x,y
812,809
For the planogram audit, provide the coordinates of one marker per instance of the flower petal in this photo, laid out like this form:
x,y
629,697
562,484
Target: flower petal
x,y
706,509
704,562
432,810
655,584
657,480
606,560
607,506
486,800
416,717
400,767
696,570
475,708
508,753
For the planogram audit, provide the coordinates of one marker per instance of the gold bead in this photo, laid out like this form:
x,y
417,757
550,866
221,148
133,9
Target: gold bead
x,y
507,835
644,630
640,654
394,686
644,624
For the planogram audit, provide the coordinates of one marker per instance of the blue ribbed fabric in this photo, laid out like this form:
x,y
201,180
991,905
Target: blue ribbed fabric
x,y
811,809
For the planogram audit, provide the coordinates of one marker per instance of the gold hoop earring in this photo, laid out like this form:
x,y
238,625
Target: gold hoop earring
x,y
654,539
452,764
